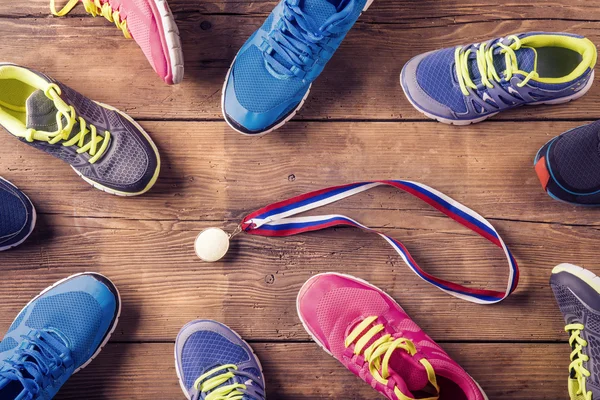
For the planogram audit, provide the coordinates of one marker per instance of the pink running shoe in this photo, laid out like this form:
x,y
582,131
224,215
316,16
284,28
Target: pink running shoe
x,y
368,332
149,22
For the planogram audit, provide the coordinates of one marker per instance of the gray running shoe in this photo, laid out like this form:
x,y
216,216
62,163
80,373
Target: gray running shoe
x,y
577,292
105,146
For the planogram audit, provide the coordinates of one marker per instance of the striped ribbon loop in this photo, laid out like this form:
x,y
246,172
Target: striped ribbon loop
x,y
277,220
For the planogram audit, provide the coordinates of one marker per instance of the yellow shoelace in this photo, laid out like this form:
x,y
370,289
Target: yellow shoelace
x,y
578,358
95,8
229,392
385,347
485,64
97,144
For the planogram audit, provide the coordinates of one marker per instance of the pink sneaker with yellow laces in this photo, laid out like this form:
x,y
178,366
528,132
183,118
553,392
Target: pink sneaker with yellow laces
x,y
367,331
149,22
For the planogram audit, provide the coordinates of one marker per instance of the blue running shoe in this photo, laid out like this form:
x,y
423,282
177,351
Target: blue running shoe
x,y
57,334
17,216
271,75
467,84
214,363
568,166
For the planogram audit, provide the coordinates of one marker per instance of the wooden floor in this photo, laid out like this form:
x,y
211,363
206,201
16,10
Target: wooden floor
x,y
355,125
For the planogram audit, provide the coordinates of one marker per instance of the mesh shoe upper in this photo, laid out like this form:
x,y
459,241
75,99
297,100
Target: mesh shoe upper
x,y
123,161
575,158
580,304
569,165
79,313
274,69
332,307
520,69
435,74
202,346
17,216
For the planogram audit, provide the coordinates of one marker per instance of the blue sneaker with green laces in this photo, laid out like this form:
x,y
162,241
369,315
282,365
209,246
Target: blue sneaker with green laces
x,y
467,84
56,335
214,363
272,73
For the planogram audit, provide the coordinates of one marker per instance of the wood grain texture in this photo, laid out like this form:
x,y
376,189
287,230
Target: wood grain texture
x,y
255,287
351,87
301,371
356,125
212,174
407,12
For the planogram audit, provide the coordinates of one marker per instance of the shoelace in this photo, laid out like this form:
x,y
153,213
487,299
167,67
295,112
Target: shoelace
x,y
578,358
95,8
219,391
385,347
43,359
298,41
485,64
97,144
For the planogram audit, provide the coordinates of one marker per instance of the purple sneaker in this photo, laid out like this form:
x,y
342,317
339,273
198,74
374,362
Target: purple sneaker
x,y
105,146
467,84
213,362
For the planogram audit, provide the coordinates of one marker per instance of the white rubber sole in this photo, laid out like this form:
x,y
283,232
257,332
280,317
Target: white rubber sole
x,y
173,39
182,384
33,221
289,117
562,100
365,283
156,173
110,332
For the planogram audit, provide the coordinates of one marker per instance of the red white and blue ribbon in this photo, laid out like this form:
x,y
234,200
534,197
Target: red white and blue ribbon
x,y
277,220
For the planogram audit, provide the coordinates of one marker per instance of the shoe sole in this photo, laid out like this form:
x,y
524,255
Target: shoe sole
x,y
110,331
465,122
33,220
587,276
288,117
172,39
182,384
149,139
363,282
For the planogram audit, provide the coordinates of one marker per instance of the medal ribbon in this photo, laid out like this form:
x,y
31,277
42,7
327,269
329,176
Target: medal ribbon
x,y
277,220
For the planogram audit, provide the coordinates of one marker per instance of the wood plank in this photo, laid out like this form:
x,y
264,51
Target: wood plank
x,y
344,91
254,289
402,13
302,371
212,174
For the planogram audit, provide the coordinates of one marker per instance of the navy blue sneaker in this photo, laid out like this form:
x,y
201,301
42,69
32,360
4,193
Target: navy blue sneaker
x,y
17,216
271,75
213,362
577,293
57,334
569,166
467,84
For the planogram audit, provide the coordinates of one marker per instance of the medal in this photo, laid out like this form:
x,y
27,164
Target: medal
x,y
278,220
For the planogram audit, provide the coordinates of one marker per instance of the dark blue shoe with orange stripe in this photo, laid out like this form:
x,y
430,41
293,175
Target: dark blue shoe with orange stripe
x,y
569,166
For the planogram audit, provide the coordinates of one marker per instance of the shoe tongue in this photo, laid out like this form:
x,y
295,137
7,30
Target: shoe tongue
x,y
12,389
526,60
41,115
317,11
403,367
41,112
409,369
